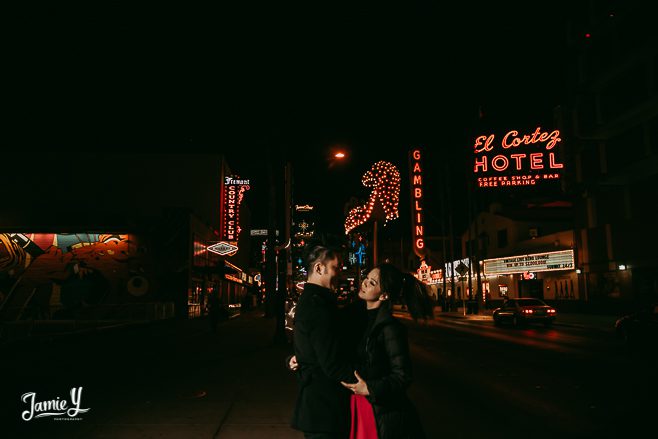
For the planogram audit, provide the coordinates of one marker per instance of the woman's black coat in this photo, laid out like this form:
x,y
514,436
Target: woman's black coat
x,y
322,402
385,365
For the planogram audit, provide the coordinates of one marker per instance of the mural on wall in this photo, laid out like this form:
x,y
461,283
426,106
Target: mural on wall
x,y
45,275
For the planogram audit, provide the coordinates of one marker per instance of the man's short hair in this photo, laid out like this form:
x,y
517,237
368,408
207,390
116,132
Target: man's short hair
x,y
314,253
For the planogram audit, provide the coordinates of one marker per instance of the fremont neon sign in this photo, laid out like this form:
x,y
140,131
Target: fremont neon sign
x,y
515,160
233,193
416,184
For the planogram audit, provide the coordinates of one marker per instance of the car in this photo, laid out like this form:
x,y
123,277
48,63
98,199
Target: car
x,y
524,310
639,328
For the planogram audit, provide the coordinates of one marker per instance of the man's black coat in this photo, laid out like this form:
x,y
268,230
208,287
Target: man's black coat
x,y
322,403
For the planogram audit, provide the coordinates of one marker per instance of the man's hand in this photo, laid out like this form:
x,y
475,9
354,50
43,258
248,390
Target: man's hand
x,y
358,388
292,364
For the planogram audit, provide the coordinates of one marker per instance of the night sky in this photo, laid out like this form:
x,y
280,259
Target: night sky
x,y
298,80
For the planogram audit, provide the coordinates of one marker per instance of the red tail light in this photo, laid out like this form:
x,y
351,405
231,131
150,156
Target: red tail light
x,y
527,311
551,311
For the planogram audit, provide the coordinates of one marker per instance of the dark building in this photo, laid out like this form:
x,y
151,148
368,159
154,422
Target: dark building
x,y
611,122
115,236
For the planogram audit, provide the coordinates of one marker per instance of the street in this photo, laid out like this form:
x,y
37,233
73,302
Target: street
x,y
476,380
472,379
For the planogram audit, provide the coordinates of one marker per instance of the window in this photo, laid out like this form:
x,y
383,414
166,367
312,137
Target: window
x,y
502,238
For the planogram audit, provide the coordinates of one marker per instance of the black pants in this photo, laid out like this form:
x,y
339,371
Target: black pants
x,y
326,435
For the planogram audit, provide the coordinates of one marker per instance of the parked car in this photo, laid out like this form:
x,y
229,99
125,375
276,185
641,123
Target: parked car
x,y
640,328
521,311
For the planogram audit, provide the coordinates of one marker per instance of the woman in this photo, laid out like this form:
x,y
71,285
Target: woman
x,y
383,361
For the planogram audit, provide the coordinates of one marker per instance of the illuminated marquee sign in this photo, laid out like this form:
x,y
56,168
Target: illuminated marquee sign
x,y
416,184
518,160
549,261
232,193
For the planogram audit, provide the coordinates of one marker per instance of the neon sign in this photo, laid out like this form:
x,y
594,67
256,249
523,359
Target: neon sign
x,y
223,248
384,179
512,164
233,278
416,184
232,194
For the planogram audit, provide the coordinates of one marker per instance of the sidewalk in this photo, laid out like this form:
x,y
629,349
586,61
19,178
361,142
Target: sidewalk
x,y
177,380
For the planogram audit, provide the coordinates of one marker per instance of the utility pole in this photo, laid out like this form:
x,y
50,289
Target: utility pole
x,y
446,305
270,251
277,256
452,241
284,270
470,243
476,259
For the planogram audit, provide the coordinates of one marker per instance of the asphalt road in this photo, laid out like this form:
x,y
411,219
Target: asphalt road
x,y
473,379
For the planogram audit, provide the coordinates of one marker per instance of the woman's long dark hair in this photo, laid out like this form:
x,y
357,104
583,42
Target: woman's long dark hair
x,y
406,288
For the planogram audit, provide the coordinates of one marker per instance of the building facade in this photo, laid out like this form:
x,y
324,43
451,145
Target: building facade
x,y
612,124
129,241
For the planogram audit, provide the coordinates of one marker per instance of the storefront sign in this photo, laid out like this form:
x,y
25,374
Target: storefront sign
x,y
518,159
233,189
550,261
417,215
233,278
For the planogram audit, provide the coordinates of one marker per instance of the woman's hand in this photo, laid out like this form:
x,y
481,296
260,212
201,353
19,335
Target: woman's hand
x,y
292,364
358,388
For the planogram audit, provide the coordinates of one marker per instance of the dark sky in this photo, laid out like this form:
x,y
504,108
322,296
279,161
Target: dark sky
x,y
296,79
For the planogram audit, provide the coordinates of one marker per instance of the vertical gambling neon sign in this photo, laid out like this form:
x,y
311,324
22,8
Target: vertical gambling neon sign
x,y
416,185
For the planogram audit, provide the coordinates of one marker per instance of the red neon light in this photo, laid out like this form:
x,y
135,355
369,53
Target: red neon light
x,y
526,167
416,180
384,179
233,190
537,137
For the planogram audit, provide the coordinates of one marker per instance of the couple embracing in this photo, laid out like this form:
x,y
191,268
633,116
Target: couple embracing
x,y
353,369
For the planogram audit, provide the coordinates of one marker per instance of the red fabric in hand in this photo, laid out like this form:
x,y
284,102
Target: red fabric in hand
x,y
363,419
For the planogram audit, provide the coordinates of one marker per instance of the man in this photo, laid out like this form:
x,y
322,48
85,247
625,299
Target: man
x,y
322,410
